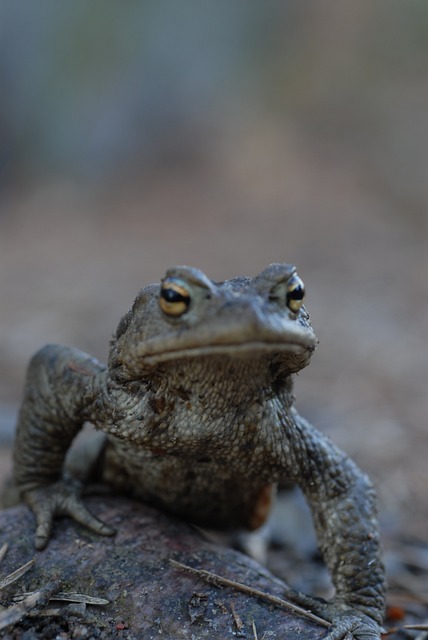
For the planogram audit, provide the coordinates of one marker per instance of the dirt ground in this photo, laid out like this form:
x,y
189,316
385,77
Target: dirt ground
x,y
73,258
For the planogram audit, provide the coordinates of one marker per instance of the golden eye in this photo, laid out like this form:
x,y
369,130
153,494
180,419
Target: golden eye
x,y
295,293
174,298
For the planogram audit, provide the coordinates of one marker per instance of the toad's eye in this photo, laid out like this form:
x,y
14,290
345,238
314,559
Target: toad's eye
x,y
174,297
295,293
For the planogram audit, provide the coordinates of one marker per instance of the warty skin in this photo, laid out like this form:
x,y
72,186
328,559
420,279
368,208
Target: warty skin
x,y
197,406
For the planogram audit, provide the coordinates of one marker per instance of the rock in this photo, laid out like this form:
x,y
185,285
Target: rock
x,y
148,597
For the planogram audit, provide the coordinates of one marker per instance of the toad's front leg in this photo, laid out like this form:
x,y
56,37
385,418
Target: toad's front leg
x,y
59,389
343,505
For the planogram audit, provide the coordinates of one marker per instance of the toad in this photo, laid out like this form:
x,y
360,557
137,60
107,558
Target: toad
x,y
196,404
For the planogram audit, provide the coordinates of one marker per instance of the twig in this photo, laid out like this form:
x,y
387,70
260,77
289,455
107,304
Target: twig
x,y
217,580
12,577
253,624
3,551
63,596
14,614
236,617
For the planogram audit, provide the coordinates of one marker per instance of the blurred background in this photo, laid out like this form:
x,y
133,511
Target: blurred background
x,y
228,135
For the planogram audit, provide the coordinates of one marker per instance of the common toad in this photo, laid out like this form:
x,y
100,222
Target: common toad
x,y
197,406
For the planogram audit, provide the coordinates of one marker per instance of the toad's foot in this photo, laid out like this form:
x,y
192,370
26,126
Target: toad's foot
x,y
347,625
60,499
346,622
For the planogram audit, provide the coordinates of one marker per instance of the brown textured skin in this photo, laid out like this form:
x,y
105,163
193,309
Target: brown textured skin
x,y
198,416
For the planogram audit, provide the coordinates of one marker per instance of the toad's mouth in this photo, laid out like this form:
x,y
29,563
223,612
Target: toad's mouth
x,y
245,335
231,350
